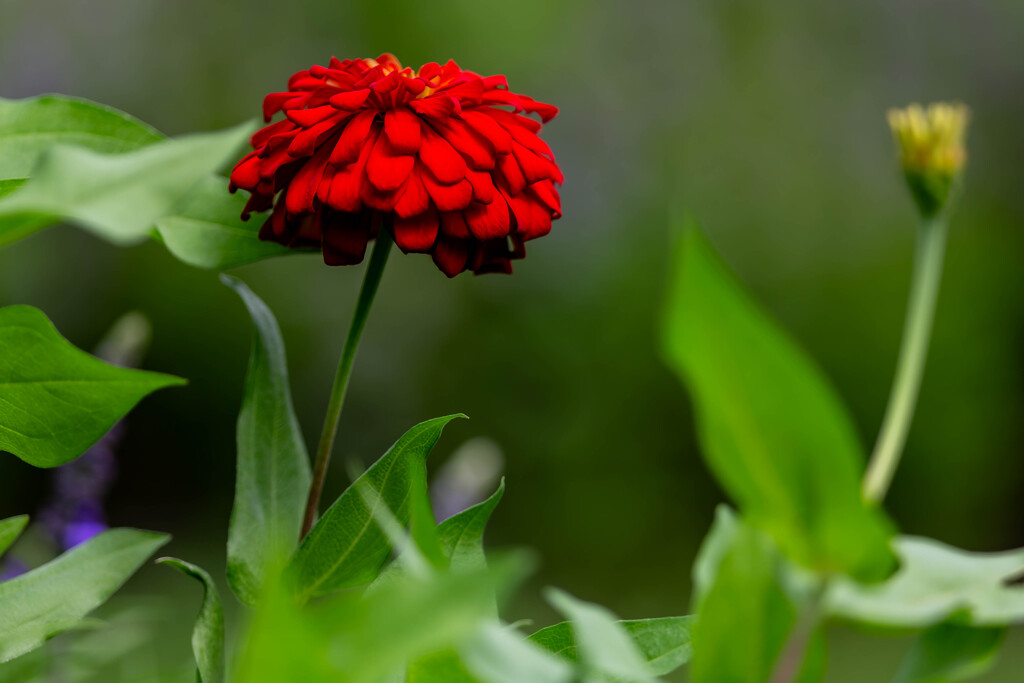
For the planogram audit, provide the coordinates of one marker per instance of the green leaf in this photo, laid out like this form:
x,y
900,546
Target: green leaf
x,y
604,647
346,547
934,582
498,654
272,477
55,400
208,632
423,522
462,535
951,652
367,636
207,230
665,642
746,617
772,429
29,127
10,529
55,597
119,196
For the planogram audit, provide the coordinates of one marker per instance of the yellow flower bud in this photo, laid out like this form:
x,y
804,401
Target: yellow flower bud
x,y
931,148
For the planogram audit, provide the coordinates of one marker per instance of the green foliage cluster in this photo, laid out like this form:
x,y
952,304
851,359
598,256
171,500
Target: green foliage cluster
x,y
377,591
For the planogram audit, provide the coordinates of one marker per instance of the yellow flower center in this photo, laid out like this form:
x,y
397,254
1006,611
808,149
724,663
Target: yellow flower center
x,y
931,141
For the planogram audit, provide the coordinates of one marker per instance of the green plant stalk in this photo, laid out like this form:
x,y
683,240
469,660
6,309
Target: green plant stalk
x,y
924,291
371,281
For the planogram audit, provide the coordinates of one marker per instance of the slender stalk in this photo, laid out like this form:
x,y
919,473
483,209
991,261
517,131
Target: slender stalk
x,y
374,271
924,290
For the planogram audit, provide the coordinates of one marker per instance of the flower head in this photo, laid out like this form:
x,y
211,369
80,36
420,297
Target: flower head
x,y
931,148
445,159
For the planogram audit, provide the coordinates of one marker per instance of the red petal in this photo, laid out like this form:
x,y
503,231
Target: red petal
x,y
303,144
302,189
508,168
483,186
451,255
453,224
535,167
444,162
386,169
417,233
347,184
349,100
546,192
352,139
414,198
488,221
246,173
273,103
489,128
310,117
448,197
345,238
479,152
403,130
533,219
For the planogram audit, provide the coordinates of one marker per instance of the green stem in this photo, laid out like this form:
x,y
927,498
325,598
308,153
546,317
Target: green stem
x,y
374,271
924,290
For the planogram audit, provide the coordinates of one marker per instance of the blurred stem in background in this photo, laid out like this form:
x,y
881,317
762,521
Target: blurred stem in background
x,y
917,330
371,281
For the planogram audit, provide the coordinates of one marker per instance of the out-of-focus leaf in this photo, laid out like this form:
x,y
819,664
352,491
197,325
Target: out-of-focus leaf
x,y
772,429
441,667
10,529
31,126
665,642
116,196
346,547
208,632
936,581
55,597
713,550
951,652
206,230
368,636
423,523
55,400
746,617
272,476
604,648
462,535
498,654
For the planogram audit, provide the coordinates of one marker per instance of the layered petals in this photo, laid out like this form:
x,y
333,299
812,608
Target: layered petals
x,y
448,161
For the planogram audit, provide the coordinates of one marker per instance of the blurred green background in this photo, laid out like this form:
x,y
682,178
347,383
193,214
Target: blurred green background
x,y
765,120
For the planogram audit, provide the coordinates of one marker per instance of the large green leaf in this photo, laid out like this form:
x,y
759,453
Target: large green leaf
x,y
369,636
772,430
55,597
605,650
951,652
29,127
346,547
10,529
117,196
934,582
666,642
206,229
208,632
498,654
462,534
746,617
272,476
55,400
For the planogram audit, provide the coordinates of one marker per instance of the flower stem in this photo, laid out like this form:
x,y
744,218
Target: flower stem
x,y
924,290
374,271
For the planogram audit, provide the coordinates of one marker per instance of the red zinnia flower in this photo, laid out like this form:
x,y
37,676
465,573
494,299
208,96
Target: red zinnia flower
x,y
431,155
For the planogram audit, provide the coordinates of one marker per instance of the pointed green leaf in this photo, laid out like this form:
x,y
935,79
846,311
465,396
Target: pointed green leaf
x,y
272,477
31,126
934,582
772,429
116,196
746,617
665,642
462,535
423,523
604,647
55,597
498,654
207,230
346,547
208,632
10,529
951,652
55,400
